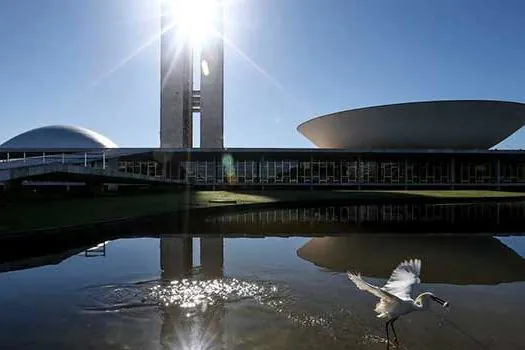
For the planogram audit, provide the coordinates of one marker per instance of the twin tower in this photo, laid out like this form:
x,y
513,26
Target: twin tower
x,y
180,98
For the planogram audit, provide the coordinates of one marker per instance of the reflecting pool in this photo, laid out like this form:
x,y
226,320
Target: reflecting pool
x,y
211,291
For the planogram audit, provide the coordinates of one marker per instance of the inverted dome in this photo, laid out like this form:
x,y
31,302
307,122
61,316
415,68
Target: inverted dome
x,y
470,260
461,124
59,136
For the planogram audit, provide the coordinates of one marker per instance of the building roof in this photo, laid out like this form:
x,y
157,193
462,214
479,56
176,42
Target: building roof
x,y
59,136
455,124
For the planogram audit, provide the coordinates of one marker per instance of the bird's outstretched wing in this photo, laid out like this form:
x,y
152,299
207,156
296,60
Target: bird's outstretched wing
x,y
363,285
405,275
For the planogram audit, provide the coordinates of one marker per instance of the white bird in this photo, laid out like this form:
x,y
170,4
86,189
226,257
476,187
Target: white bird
x,y
395,299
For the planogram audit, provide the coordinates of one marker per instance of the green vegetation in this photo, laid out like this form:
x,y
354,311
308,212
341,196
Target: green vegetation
x,y
61,212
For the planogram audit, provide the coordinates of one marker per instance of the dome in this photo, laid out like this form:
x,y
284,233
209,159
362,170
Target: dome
x,y
455,124
59,136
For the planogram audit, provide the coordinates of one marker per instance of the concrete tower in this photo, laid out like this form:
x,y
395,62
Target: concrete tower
x,y
176,78
178,99
212,88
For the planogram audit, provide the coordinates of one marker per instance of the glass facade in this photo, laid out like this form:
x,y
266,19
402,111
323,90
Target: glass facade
x,y
403,171
148,168
513,172
316,168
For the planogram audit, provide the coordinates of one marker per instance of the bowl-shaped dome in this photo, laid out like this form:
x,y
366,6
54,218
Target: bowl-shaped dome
x,y
418,125
59,136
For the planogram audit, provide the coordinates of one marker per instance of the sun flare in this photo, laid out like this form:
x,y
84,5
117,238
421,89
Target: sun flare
x,y
195,19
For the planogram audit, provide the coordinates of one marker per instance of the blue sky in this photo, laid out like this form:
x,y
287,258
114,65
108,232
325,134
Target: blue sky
x,y
61,62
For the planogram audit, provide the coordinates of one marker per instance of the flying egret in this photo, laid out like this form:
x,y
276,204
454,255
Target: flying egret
x,y
395,299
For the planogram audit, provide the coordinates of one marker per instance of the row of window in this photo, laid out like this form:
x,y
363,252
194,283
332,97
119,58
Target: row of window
x,y
334,172
349,172
150,168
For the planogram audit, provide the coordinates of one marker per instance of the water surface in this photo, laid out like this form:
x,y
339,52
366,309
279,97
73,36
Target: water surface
x,y
271,278
184,292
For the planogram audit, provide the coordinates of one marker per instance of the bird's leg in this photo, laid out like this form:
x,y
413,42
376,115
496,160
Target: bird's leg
x,y
394,330
387,337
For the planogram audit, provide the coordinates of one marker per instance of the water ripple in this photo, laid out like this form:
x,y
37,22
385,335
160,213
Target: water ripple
x,y
196,296
190,294
184,293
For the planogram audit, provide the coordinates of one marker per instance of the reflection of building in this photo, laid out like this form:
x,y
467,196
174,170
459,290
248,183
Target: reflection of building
x,y
449,260
212,256
400,217
22,259
37,261
202,330
176,256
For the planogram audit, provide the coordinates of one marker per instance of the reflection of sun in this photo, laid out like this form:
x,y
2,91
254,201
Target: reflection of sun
x,y
193,18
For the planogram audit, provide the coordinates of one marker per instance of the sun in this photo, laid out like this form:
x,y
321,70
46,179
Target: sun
x,y
194,19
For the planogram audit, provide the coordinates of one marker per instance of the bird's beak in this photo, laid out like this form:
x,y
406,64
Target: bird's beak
x,y
440,301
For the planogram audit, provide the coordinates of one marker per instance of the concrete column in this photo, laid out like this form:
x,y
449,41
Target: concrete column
x,y
498,209
214,172
358,177
379,171
498,174
453,172
406,174
259,171
164,167
311,173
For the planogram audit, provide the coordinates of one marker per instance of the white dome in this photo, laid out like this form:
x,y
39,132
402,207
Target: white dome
x,y
59,136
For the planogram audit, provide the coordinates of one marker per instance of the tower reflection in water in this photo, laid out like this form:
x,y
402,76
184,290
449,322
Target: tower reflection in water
x,y
183,328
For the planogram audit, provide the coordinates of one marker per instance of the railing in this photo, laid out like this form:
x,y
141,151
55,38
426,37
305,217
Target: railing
x,y
86,159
